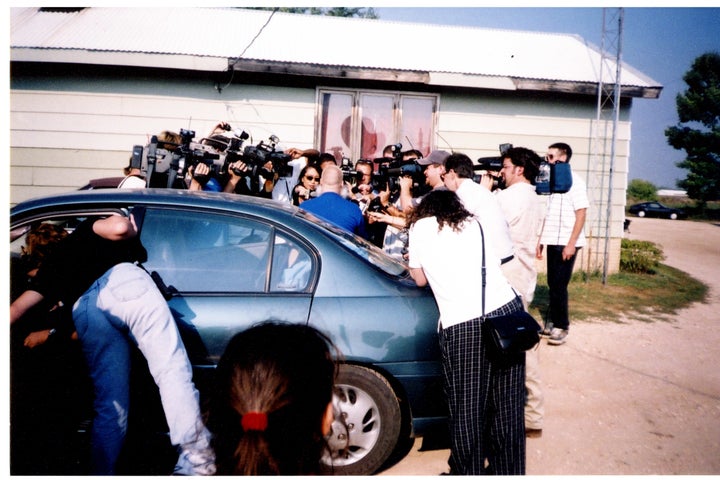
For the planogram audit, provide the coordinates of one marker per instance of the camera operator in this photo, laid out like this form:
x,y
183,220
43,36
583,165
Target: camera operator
x,y
133,177
434,170
522,209
395,240
363,191
201,179
479,201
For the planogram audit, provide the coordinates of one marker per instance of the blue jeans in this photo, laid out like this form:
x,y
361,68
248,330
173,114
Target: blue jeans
x,y
121,306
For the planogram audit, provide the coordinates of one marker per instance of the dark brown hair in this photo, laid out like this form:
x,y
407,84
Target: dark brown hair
x,y
286,372
445,206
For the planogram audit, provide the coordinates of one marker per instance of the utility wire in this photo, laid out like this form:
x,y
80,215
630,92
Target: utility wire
x,y
232,65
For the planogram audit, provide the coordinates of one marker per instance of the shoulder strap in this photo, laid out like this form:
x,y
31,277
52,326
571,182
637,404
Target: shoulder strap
x,y
484,281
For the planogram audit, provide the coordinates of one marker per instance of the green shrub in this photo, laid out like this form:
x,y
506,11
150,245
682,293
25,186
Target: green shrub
x,y
637,256
642,190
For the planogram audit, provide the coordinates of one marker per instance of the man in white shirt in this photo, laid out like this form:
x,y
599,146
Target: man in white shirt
x,y
522,209
479,201
563,235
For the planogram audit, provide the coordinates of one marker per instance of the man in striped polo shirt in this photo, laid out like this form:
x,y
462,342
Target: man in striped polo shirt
x,y
563,235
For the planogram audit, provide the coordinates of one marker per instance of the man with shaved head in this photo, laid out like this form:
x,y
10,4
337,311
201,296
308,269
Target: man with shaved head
x,y
332,207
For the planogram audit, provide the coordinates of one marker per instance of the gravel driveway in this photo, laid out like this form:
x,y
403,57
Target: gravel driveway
x,y
635,398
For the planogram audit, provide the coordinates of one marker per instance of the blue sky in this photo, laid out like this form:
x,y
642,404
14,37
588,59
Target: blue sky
x,y
660,42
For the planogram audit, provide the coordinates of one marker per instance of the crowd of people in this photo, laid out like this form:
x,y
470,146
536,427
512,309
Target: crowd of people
x,y
276,377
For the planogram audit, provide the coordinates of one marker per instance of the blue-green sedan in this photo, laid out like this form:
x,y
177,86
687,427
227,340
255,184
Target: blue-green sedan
x,y
230,261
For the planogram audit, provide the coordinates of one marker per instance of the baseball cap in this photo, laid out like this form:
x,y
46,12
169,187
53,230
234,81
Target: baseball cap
x,y
436,156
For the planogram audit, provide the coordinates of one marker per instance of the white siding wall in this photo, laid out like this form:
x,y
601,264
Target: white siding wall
x,y
64,137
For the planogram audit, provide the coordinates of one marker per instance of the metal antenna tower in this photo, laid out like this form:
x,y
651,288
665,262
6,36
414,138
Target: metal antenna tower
x,y
604,137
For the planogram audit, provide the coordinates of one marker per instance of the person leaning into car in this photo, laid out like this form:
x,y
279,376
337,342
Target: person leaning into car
x,y
115,303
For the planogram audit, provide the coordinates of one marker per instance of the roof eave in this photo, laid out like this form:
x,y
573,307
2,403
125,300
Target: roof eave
x,y
218,64
444,79
127,59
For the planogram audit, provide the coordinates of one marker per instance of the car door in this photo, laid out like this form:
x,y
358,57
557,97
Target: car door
x,y
654,210
226,272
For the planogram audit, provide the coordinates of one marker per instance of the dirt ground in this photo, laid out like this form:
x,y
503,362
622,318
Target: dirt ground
x,y
634,398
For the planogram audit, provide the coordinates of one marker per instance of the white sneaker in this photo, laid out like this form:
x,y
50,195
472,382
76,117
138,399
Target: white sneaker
x,y
558,336
195,462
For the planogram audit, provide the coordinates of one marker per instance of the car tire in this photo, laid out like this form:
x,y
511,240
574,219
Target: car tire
x,y
673,216
641,213
367,423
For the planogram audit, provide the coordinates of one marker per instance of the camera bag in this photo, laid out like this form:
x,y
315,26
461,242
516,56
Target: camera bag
x,y
512,333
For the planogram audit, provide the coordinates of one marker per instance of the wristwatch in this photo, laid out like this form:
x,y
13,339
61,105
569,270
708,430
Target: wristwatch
x,y
52,332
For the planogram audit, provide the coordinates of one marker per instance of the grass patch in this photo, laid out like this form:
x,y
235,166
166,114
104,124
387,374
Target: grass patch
x,y
639,296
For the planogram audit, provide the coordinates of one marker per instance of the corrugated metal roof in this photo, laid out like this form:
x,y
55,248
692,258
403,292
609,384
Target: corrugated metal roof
x,y
317,40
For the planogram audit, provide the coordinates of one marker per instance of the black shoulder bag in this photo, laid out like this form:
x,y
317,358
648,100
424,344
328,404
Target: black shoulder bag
x,y
512,333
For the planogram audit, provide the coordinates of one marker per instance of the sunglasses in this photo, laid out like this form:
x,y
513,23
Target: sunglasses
x,y
310,178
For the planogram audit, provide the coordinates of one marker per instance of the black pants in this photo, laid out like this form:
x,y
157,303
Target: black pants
x,y
559,272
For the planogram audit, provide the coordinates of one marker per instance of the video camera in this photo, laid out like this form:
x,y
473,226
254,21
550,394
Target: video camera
x,y
166,164
491,166
391,169
553,178
255,157
190,154
350,175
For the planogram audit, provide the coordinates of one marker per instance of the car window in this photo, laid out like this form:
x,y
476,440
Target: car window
x,y
361,247
291,266
18,239
201,252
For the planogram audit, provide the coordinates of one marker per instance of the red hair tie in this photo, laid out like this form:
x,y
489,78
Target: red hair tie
x,y
254,421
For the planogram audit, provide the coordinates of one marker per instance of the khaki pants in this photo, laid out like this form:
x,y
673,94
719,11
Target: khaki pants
x,y
535,403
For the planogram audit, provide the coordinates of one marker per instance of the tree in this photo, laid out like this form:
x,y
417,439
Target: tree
x,y
698,131
642,190
368,12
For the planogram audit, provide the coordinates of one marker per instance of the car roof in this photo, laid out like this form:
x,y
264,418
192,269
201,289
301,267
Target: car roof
x,y
154,196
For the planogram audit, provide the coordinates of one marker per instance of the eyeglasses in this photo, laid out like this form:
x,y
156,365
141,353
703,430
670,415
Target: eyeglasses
x,y
310,178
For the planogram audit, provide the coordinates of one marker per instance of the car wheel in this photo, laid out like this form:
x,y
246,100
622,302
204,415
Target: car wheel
x,y
673,216
641,213
367,422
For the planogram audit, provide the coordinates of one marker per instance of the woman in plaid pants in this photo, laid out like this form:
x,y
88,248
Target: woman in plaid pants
x,y
486,396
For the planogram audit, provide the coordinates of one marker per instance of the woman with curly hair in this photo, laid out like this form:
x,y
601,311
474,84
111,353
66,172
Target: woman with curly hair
x,y
272,404
486,396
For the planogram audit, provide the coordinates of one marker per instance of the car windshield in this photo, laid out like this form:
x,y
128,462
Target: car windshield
x,y
361,247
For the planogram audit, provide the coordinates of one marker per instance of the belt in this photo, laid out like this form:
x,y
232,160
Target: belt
x,y
506,259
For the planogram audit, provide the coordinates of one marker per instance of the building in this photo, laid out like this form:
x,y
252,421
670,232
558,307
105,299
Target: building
x,y
88,84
